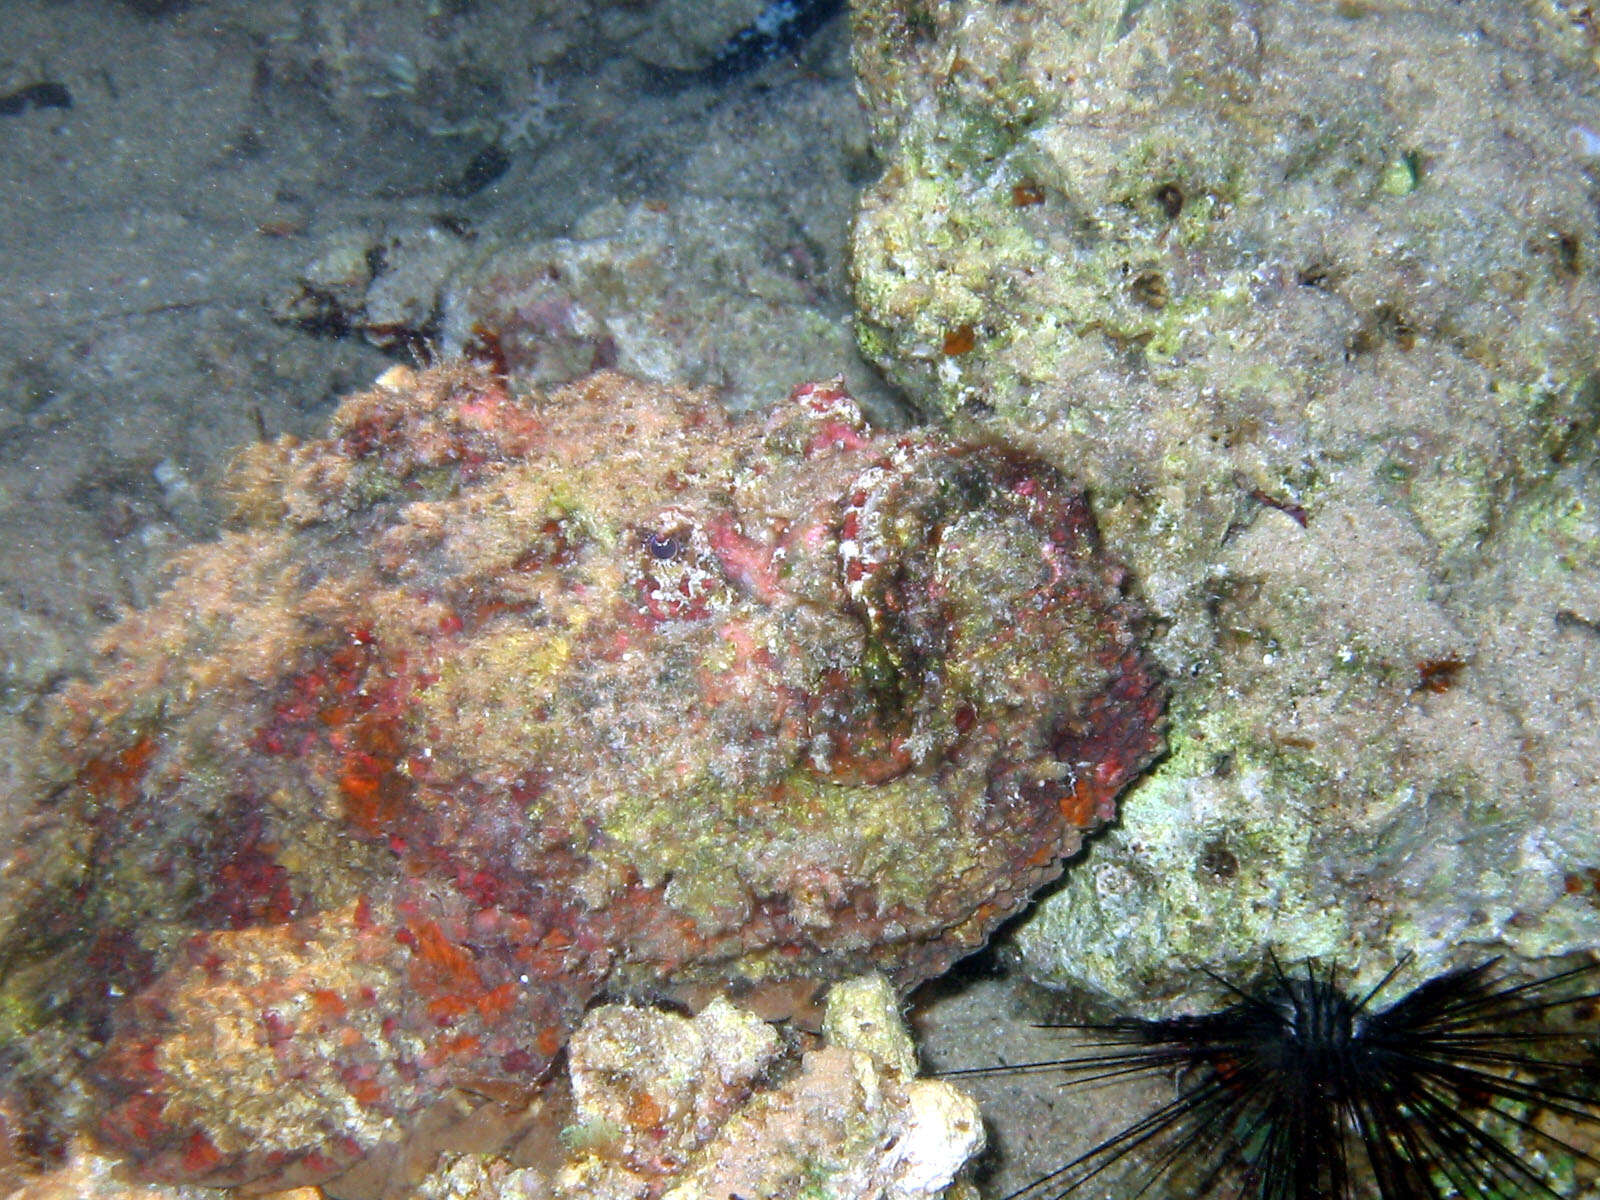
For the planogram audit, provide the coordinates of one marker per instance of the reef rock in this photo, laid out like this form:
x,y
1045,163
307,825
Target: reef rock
x,y
666,1106
487,706
1309,295
660,1104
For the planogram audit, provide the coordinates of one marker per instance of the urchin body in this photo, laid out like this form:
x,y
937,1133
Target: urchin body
x,y
1300,1091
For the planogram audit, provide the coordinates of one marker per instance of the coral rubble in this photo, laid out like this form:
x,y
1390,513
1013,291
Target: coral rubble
x,y
666,1101
487,706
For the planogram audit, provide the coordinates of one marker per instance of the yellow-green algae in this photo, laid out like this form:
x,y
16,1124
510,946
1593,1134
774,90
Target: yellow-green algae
x,y
1250,285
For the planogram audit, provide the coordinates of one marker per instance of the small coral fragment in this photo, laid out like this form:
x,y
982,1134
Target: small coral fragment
x,y
670,1106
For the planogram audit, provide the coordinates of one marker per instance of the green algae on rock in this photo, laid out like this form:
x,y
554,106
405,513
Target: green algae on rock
x,y
487,706
1309,296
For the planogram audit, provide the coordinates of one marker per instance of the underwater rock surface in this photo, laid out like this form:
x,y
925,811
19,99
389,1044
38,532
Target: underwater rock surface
x,y
487,706
1309,296
660,1104
672,1107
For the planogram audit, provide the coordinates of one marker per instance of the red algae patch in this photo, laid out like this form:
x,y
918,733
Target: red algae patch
x,y
487,706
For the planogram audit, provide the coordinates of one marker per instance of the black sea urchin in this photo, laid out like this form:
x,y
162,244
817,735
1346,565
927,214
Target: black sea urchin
x,y
1470,1086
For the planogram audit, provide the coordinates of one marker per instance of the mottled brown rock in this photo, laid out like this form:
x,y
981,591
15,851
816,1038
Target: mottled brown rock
x,y
488,705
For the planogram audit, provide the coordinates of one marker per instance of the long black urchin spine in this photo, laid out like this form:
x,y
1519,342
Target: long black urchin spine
x,y
1471,1085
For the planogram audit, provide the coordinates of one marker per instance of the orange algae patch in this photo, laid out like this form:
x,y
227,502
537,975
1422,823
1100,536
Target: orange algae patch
x,y
1575,883
1026,194
644,1111
375,791
459,1045
1078,807
326,1002
960,340
447,975
116,777
200,1155
446,1009
368,1092
1438,675
497,1002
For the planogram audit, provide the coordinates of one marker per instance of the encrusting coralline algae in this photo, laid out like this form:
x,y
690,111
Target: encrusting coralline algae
x,y
486,707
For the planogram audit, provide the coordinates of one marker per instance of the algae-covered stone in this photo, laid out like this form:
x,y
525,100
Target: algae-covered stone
x,y
490,704
863,1015
1309,295
720,1105
694,1108
850,1124
649,1088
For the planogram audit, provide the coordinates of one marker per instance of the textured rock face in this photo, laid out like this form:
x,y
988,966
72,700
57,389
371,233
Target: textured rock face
x,y
692,1109
486,706
666,1107
1309,296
